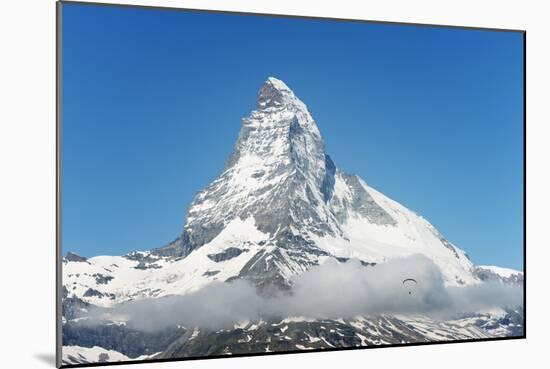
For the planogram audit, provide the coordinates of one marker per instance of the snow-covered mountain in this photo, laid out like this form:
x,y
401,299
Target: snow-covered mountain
x,y
495,273
83,355
279,207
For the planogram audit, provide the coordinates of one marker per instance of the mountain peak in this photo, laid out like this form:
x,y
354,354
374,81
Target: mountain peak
x,y
71,256
277,83
274,93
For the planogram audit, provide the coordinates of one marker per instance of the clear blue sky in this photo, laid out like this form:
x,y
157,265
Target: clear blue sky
x,y
152,102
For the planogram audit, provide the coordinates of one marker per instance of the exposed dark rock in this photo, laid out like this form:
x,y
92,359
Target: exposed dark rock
x,y
487,275
328,182
102,279
73,307
289,336
210,273
364,204
128,341
143,265
227,254
71,256
90,292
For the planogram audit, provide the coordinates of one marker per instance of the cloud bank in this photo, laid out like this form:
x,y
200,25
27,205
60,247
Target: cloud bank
x,y
332,290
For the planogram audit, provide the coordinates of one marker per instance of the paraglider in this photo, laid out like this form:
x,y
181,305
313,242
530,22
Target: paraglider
x,y
409,283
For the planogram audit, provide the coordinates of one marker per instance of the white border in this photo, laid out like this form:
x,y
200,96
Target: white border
x,y
27,190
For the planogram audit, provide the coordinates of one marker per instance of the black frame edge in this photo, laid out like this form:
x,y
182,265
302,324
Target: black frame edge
x,y
58,238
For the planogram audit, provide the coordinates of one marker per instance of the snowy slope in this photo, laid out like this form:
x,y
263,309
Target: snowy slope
x,y
82,355
504,275
108,280
96,354
502,272
406,233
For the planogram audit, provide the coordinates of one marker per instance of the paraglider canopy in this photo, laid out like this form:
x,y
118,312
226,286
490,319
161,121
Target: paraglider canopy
x,y
409,282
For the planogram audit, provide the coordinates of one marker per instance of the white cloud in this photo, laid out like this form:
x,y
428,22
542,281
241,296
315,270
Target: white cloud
x,y
332,290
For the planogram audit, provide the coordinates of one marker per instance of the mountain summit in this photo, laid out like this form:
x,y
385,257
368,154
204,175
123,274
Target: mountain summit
x,y
274,93
282,203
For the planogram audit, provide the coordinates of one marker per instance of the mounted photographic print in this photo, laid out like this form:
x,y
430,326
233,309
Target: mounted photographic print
x,y
238,184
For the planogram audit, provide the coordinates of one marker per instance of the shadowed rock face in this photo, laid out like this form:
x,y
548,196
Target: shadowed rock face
x,y
128,341
227,254
102,279
363,203
294,335
272,94
74,257
488,275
